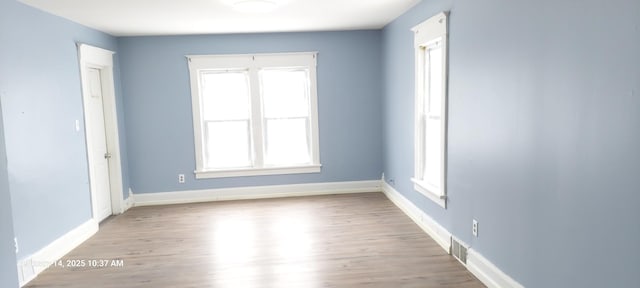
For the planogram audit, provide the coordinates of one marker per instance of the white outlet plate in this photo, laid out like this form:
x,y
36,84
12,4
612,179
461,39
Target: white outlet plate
x,y
181,178
474,228
15,241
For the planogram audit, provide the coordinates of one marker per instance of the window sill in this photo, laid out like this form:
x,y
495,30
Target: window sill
x,y
422,187
315,168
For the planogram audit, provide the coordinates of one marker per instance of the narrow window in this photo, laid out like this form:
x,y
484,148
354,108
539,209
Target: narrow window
x,y
431,108
254,114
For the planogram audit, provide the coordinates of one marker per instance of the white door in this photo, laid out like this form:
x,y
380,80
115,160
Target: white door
x,y
98,156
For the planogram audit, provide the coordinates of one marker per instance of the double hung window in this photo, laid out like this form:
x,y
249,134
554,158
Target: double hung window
x,y
431,108
254,114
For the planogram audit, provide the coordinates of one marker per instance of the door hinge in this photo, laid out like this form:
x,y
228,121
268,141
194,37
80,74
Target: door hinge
x,y
107,155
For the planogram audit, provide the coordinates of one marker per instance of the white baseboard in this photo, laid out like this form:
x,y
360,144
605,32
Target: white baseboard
x,y
256,192
430,226
33,265
488,273
479,266
128,203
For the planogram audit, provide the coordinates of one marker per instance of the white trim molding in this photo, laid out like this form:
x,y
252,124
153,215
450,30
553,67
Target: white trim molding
x,y
420,185
33,265
430,122
128,203
479,266
488,273
101,59
258,171
255,192
430,226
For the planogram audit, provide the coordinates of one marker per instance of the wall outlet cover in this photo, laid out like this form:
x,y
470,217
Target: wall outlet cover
x,y
474,228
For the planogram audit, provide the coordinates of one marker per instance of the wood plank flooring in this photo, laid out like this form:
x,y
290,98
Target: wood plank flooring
x,y
354,240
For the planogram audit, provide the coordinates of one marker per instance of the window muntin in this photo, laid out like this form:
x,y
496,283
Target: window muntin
x,y
254,114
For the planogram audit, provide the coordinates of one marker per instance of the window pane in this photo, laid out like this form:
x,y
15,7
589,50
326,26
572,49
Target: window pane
x,y
435,80
432,153
285,93
225,95
227,144
287,142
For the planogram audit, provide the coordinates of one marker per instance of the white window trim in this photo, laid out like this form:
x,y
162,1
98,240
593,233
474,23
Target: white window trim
x,y
424,33
253,62
258,171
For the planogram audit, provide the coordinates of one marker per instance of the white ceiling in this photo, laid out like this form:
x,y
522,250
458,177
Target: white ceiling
x,y
180,17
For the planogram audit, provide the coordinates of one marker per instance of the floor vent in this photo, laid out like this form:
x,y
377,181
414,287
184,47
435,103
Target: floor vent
x,y
459,250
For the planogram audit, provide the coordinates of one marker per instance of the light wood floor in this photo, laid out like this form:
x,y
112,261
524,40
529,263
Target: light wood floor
x,y
355,240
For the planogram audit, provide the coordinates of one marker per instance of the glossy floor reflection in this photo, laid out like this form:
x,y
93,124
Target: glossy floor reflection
x,y
355,240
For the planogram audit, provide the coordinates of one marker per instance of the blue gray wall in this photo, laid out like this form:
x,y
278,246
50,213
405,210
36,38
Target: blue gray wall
x,y
41,98
160,124
543,145
544,131
8,268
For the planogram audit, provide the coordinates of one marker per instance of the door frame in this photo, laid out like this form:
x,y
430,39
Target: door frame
x,y
101,59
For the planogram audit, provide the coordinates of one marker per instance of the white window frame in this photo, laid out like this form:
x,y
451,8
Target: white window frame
x,y
425,34
253,63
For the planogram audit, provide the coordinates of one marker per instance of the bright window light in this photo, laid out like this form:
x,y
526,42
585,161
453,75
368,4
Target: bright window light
x,y
430,42
286,110
254,114
225,95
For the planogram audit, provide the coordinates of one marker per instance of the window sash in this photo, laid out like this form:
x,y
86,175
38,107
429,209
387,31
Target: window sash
x,y
300,103
293,153
209,99
214,153
431,94
432,110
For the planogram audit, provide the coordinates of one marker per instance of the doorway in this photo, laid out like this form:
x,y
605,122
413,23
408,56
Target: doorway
x,y
101,131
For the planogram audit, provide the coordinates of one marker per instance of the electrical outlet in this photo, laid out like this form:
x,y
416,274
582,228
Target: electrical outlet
x,y
15,241
181,178
474,229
